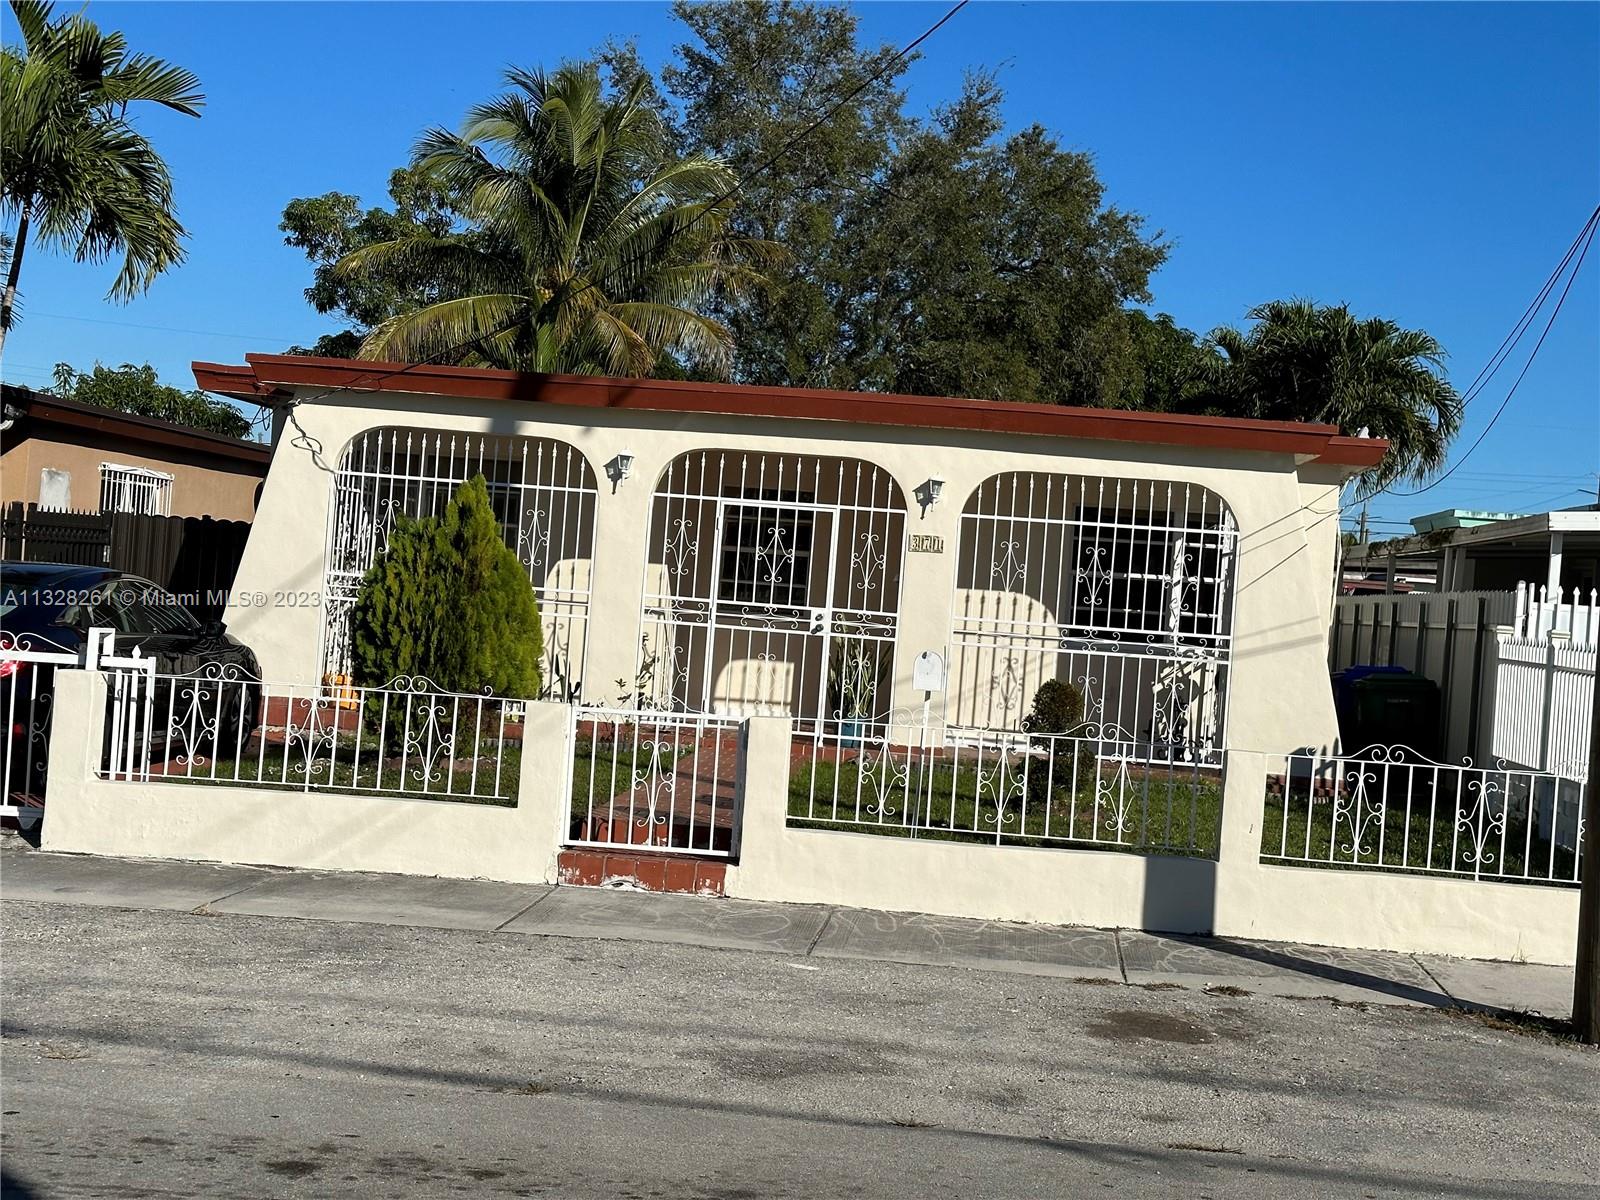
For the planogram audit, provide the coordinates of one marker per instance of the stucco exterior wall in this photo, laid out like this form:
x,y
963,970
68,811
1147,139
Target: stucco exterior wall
x,y
288,828
198,490
1235,895
1279,696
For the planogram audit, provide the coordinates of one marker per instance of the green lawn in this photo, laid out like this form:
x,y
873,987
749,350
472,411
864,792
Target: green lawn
x,y
1437,839
465,780
1160,812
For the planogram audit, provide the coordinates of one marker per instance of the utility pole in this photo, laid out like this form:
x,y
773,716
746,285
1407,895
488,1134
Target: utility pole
x,y
1361,533
1586,987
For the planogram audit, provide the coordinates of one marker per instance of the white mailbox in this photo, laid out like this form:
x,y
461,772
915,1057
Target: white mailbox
x,y
927,673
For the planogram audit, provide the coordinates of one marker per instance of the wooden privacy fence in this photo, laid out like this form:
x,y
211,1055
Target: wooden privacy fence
x,y
1447,637
197,557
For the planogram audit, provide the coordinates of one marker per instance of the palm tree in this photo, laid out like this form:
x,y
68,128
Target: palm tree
x,y
586,247
1308,362
72,166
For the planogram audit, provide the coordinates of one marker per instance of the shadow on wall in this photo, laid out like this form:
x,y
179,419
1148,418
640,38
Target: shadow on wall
x,y
1180,894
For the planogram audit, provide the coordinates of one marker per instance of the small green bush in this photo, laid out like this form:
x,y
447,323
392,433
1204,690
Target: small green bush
x,y
449,601
1058,709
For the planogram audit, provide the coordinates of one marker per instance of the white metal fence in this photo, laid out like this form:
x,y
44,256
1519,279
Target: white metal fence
x,y
1545,680
771,587
1388,809
218,725
28,664
654,781
1095,788
1124,587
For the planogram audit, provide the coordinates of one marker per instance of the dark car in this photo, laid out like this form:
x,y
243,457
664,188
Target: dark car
x,y
52,607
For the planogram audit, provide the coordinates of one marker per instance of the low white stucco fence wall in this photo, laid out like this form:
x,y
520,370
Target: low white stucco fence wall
x,y
1234,895
276,827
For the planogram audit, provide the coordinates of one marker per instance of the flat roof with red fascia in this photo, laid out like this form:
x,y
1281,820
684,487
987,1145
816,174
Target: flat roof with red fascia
x,y
265,377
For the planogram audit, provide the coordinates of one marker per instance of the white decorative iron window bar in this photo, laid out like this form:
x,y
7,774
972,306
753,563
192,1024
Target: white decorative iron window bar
x,y
219,725
135,490
544,493
907,778
654,781
1387,808
772,587
1122,587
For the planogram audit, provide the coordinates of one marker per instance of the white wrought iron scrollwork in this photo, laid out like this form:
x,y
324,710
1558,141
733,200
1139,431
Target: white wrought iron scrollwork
x,y
658,780
680,548
867,562
546,486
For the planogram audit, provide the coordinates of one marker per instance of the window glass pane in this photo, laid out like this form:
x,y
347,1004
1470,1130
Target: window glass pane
x,y
766,552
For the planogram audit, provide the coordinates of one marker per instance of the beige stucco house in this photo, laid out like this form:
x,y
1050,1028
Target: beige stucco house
x,y
827,555
62,455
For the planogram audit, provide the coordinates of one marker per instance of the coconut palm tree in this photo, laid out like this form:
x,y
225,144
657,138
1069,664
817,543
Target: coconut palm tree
x,y
586,247
1308,362
74,173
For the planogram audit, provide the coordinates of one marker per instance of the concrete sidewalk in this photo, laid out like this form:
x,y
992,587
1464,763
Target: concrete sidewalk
x,y
799,932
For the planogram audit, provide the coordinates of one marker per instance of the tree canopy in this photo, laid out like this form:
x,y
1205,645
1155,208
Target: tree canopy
x,y
73,169
135,389
587,247
1302,361
944,254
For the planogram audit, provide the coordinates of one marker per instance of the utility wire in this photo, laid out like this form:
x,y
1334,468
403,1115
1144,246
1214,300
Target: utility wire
x,y
1587,237
765,165
1503,352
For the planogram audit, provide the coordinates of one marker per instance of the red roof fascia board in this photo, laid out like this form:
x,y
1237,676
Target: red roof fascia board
x,y
267,374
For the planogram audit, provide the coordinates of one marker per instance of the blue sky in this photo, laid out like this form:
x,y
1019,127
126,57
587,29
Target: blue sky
x,y
1429,163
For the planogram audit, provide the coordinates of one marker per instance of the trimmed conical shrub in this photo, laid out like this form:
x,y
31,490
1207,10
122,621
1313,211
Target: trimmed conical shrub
x,y
449,600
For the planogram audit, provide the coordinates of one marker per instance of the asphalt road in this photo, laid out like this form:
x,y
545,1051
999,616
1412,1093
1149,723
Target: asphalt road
x,y
164,1054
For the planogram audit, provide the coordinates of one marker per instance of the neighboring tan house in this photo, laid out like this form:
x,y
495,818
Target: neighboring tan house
x,y
825,555
63,455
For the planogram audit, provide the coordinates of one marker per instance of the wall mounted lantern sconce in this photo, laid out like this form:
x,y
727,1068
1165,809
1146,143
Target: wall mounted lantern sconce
x,y
928,493
619,468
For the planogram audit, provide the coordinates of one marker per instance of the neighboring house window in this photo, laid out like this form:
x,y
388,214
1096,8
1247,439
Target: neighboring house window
x,y
766,550
135,490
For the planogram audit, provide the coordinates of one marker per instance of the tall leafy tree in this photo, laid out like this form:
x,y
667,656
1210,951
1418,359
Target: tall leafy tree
x,y
587,247
74,172
751,78
331,226
1301,361
997,268
137,390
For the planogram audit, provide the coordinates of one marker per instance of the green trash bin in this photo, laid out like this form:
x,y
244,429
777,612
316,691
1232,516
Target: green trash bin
x,y
1391,708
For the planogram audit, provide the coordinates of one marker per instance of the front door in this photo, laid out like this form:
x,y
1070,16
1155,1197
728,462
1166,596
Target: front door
x,y
773,600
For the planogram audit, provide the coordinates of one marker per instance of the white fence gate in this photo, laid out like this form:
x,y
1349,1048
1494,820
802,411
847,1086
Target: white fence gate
x,y
28,666
1544,682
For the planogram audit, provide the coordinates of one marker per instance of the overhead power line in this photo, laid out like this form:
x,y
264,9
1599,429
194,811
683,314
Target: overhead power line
x,y
1586,237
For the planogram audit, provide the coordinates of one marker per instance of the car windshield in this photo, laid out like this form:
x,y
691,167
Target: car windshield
x,y
136,606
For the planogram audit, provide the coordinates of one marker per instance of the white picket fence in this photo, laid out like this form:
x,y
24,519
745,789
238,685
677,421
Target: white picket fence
x,y
1544,682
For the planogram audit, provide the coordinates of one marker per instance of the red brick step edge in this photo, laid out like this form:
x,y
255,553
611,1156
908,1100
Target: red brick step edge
x,y
652,872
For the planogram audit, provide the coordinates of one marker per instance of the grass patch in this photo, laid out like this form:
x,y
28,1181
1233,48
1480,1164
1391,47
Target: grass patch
x,y
962,799
357,767
1439,835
